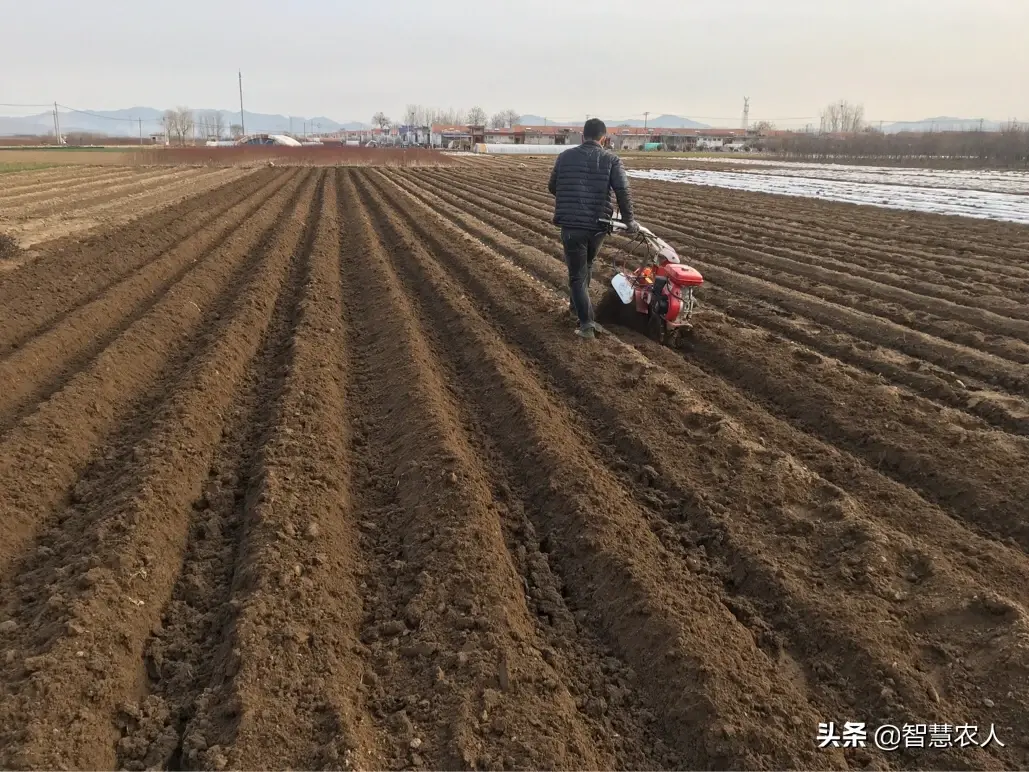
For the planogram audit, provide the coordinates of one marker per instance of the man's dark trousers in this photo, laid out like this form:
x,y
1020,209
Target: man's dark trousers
x,y
581,248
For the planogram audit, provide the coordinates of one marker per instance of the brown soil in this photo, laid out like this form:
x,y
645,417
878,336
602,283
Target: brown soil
x,y
56,209
306,470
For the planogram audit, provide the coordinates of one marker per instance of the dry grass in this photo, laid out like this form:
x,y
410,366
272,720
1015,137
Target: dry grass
x,y
7,167
60,157
328,155
9,249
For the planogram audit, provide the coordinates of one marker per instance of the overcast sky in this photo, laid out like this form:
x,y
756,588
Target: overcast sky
x,y
902,59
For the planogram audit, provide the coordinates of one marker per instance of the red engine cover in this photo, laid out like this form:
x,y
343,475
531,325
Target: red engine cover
x,y
682,275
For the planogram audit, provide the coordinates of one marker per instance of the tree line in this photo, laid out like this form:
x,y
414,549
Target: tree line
x,y
181,123
845,135
1008,148
419,115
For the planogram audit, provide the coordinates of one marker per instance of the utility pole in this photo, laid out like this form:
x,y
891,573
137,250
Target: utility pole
x,y
140,130
242,120
646,117
57,125
746,112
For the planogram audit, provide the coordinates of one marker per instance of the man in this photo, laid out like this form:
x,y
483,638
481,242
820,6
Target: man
x,y
581,183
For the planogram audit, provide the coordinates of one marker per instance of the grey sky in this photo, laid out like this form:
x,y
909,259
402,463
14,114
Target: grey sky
x,y
903,59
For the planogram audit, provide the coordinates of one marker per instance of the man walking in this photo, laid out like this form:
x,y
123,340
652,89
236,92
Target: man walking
x,y
581,183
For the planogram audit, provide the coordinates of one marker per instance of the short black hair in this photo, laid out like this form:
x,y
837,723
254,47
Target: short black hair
x,y
594,129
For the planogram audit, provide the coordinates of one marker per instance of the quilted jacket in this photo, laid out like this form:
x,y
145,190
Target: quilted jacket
x,y
582,181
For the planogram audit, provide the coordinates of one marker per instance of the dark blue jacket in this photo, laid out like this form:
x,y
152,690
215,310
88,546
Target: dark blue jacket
x,y
581,183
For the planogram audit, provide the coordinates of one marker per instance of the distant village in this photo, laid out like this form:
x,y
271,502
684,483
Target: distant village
x,y
464,137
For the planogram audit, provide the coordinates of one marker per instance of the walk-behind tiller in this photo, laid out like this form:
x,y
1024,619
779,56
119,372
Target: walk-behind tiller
x,y
660,290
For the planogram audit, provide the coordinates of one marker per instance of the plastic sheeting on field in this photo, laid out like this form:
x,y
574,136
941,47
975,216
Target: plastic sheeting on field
x,y
981,204
504,149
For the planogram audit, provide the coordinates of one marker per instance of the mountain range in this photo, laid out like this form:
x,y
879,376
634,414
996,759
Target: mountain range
x,y
660,122
942,123
127,122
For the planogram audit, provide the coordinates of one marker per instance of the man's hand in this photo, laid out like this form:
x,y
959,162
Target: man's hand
x,y
632,227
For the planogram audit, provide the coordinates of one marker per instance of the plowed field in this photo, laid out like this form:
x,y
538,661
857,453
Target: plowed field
x,y
308,471
67,202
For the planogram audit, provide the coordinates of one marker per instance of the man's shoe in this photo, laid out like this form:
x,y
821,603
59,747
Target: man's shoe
x,y
586,332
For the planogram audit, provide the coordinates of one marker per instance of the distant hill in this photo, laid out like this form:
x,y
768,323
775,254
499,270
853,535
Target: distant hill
x,y
126,122
660,122
942,123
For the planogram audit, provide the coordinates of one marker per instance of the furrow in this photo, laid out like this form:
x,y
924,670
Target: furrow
x,y
94,646
37,234
187,718
948,458
469,651
41,293
93,195
612,562
42,364
746,505
48,180
1003,411
68,190
41,457
948,277
959,359
141,196
953,318
761,227
954,235
293,699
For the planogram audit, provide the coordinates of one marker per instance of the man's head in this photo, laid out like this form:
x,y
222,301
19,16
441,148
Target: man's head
x,y
594,130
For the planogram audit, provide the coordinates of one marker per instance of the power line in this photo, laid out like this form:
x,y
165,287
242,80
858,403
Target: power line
x,y
106,117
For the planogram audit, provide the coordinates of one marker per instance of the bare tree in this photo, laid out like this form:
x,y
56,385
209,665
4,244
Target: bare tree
x,y
184,123
208,125
380,120
1007,147
217,124
842,117
170,123
411,115
505,119
236,130
477,116
762,127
